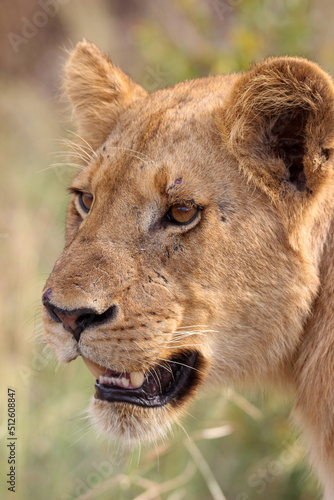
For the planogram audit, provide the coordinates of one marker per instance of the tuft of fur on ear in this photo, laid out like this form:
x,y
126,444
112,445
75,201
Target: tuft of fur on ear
x,y
278,122
98,91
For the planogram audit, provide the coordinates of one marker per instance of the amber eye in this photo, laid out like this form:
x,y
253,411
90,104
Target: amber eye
x,y
182,214
86,201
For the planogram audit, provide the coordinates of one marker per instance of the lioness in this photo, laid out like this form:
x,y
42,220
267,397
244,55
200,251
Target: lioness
x,y
199,244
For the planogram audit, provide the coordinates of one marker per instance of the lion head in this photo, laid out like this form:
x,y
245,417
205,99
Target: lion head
x,y
193,236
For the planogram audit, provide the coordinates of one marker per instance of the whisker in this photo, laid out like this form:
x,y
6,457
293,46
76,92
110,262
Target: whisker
x,y
75,154
142,156
183,364
54,165
183,429
77,149
192,326
156,364
189,334
66,164
89,427
84,140
157,379
182,346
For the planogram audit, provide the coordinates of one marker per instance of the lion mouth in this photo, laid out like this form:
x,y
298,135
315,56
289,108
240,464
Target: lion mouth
x,y
171,382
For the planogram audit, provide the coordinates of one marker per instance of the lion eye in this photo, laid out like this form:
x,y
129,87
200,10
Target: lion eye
x,y
182,214
86,201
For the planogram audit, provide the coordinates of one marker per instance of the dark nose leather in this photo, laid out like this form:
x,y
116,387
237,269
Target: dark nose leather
x,y
77,320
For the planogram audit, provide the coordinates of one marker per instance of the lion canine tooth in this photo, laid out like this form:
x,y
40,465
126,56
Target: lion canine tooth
x,y
94,368
137,379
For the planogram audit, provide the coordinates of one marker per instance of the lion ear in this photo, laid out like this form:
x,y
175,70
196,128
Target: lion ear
x,y
278,122
98,91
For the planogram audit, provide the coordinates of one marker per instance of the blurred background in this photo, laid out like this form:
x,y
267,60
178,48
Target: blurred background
x,y
241,446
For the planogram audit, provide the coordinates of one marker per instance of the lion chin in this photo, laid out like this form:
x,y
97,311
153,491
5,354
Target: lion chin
x,y
131,424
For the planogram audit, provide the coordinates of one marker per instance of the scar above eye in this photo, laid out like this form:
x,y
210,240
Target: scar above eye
x,y
176,183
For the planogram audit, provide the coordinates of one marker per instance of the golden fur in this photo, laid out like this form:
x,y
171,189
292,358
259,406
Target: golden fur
x,y
255,268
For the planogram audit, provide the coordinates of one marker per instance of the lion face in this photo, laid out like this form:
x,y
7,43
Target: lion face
x,y
177,271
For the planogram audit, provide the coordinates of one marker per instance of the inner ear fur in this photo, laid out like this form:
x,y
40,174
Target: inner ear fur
x,y
278,122
98,91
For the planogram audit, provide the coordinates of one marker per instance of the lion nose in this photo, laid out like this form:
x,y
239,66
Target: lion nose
x,y
77,320
74,321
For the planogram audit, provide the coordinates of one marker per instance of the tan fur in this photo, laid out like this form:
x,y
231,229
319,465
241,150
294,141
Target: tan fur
x,y
255,269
